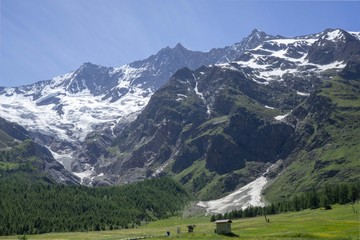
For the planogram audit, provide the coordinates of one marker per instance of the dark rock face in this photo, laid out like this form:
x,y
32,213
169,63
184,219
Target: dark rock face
x,y
155,132
95,146
93,77
179,123
14,130
352,69
31,156
262,141
223,155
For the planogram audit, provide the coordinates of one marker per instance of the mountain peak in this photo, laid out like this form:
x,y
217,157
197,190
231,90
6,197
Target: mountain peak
x,y
89,65
337,34
179,46
255,30
168,49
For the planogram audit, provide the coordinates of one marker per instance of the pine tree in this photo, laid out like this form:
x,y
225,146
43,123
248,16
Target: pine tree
x,y
296,205
344,194
354,193
314,200
325,202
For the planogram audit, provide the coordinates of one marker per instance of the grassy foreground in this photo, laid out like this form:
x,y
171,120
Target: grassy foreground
x,y
339,223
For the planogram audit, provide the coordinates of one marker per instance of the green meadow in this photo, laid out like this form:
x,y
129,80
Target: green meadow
x,y
339,223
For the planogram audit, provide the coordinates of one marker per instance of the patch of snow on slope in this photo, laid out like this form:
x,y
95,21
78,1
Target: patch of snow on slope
x,y
249,195
227,66
336,65
288,41
180,97
281,117
63,158
160,169
200,94
85,174
302,93
128,74
355,34
335,36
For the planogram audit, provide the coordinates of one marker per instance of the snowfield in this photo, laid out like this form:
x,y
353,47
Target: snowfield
x,y
248,195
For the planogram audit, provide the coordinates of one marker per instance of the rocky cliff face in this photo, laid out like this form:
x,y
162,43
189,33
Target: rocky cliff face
x,y
334,45
196,117
20,154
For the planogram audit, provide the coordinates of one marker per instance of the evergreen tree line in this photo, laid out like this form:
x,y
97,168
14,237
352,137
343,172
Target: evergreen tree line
x,y
34,208
331,194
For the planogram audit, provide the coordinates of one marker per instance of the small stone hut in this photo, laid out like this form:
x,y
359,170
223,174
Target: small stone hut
x,y
223,226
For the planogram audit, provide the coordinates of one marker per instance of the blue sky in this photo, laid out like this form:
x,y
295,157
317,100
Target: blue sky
x,y
41,39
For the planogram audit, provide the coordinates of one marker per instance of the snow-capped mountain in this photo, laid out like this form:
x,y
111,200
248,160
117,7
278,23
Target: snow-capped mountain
x,y
284,58
252,41
60,113
218,128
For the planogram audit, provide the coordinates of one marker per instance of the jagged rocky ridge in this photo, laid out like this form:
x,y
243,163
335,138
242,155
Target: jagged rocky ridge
x,y
61,112
215,127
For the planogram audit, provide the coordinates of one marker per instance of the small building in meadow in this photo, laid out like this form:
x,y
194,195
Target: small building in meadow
x,y
191,228
223,226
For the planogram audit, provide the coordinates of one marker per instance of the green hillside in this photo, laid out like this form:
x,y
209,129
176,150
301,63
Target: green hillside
x,y
329,149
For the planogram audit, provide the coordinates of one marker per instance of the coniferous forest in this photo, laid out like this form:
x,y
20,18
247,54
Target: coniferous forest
x,y
36,207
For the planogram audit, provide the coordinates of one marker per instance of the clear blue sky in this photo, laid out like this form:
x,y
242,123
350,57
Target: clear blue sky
x,y
41,39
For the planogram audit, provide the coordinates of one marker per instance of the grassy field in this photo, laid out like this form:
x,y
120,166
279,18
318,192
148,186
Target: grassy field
x,y
339,223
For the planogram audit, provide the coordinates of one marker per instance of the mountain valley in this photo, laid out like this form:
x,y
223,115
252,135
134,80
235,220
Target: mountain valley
x,y
215,121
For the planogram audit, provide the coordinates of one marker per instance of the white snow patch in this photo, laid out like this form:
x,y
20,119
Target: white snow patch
x,y
227,66
200,95
335,35
85,174
336,65
281,117
268,107
64,158
288,41
249,195
180,97
302,93
160,169
355,34
129,73
197,90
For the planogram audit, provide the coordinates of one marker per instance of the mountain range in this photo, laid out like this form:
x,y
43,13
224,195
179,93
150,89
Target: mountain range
x,y
213,120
